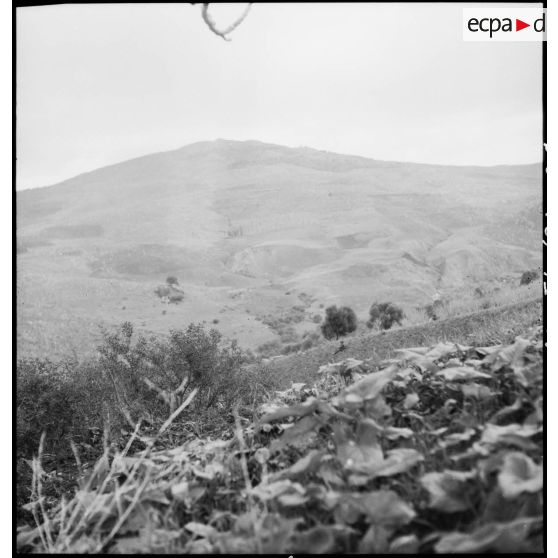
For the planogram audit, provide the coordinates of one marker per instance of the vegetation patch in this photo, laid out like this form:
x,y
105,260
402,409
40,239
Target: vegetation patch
x,y
437,449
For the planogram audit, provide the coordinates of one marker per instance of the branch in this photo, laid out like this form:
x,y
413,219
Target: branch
x,y
224,32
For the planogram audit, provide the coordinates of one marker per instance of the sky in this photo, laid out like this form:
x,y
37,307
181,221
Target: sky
x,y
99,84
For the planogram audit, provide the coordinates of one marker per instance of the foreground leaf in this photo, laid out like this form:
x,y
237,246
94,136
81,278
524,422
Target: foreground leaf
x,y
385,507
449,491
519,474
462,373
319,540
512,434
495,537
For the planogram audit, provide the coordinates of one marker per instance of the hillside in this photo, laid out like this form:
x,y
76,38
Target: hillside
x,y
435,450
252,230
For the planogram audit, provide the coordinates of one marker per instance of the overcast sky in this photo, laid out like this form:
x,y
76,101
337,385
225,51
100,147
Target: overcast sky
x,y
98,84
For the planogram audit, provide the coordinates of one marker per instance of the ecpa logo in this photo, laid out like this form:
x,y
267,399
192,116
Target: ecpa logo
x,y
504,24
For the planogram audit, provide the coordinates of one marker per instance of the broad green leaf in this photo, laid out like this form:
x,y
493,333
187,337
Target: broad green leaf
x,y
385,507
278,488
292,499
462,373
406,544
393,433
399,460
300,435
375,540
201,530
300,410
457,438
371,385
442,350
476,391
496,537
512,434
411,400
306,464
519,474
319,540
449,491
361,452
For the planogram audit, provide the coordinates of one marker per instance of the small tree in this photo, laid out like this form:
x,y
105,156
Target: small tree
x,y
528,277
385,314
338,322
172,281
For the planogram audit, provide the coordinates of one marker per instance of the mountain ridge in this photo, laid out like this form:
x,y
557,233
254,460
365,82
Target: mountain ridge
x,y
252,142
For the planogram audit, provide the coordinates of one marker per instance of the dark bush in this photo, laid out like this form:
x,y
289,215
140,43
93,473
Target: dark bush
x,y
176,297
172,281
433,309
528,277
269,348
338,322
68,399
162,291
62,399
385,315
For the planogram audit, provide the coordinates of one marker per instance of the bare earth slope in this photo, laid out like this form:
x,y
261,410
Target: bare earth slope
x,y
242,223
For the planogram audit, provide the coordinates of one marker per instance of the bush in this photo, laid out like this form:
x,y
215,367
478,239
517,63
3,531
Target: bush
x,y
162,291
528,277
385,315
176,297
338,322
186,359
172,281
269,348
433,309
67,399
61,399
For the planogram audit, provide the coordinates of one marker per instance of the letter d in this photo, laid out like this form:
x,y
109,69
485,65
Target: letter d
x,y
539,28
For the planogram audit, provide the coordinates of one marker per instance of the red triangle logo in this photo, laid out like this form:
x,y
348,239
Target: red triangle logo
x,y
519,25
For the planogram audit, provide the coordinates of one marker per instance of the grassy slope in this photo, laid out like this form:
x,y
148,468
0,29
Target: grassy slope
x,y
487,327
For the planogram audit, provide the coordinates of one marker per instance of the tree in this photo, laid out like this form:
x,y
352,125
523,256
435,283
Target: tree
x,y
528,277
172,281
338,321
385,314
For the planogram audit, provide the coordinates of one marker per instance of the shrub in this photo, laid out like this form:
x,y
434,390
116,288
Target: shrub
x,y
433,309
172,281
176,297
67,399
61,399
269,348
162,291
186,359
528,277
385,315
316,318
338,322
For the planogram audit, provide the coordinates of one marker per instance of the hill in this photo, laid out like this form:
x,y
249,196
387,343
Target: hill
x,y
254,230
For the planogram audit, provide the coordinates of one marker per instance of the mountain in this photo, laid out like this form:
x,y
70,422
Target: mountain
x,y
240,224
